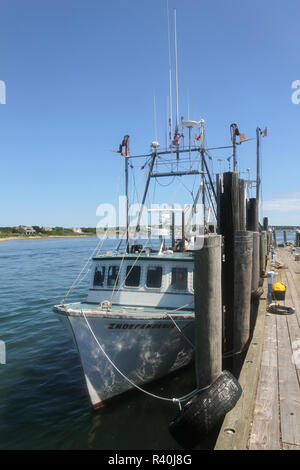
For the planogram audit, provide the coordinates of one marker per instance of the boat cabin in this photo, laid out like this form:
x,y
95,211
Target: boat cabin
x,y
160,280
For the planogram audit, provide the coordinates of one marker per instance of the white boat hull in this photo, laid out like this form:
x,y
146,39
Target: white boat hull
x,y
118,349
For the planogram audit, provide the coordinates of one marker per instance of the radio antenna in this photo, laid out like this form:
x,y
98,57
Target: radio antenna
x,y
170,75
176,73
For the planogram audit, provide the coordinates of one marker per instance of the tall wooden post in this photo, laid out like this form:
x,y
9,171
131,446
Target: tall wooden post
x,y
243,248
242,204
208,311
262,252
298,238
255,263
219,195
265,223
274,239
252,215
230,223
284,236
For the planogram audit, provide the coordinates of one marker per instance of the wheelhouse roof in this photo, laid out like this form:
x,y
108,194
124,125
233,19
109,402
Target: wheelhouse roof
x,y
176,256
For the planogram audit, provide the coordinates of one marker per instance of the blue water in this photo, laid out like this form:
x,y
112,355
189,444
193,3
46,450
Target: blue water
x,y
290,236
43,397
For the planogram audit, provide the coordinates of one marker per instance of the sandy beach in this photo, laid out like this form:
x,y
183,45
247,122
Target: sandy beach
x,y
49,236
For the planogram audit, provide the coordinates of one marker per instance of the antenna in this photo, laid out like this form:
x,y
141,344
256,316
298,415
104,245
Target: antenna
x,y
154,116
170,75
176,72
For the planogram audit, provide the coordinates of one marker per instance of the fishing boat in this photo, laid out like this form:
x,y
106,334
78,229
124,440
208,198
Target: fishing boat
x,y
137,323
138,332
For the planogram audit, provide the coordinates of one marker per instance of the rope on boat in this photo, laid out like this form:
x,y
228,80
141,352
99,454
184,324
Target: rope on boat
x,y
173,400
178,328
77,281
96,250
117,278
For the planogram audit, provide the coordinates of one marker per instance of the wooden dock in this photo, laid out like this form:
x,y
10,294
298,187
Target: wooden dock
x,y
267,416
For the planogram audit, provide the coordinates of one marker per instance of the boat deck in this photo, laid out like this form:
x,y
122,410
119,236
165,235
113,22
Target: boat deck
x,y
129,310
267,416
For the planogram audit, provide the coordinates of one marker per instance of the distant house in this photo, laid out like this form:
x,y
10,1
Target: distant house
x,y
47,229
26,230
77,230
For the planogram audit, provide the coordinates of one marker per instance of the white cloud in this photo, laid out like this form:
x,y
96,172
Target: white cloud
x,y
286,203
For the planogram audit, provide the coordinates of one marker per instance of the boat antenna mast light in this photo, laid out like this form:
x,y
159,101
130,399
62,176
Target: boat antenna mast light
x,y
124,151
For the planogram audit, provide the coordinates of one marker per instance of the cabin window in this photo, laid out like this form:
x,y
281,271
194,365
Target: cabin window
x,y
154,277
112,276
99,276
133,275
179,278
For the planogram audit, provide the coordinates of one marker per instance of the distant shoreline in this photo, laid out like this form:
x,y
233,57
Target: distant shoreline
x,y
47,236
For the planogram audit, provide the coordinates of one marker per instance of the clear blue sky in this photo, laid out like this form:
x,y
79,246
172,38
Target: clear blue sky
x,y
80,74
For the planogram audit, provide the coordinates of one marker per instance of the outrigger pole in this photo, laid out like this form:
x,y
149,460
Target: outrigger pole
x,y
124,150
126,142
154,155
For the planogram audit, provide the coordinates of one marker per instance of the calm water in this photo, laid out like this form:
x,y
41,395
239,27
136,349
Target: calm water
x,y
43,398
290,236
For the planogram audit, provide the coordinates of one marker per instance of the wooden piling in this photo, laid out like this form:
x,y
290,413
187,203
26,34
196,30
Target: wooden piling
x,y
274,239
262,253
298,238
269,241
252,215
284,236
255,263
265,223
243,251
230,223
218,194
242,205
208,311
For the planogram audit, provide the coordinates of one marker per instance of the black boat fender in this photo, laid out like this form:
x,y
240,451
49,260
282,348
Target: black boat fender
x,y
256,294
205,411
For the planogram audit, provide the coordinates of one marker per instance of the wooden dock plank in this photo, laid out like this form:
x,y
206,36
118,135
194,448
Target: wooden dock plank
x,y
234,433
289,391
293,300
265,432
272,380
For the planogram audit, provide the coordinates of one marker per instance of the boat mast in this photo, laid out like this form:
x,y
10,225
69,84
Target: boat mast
x,y
126,144
170,77
176,74
176,83
202,168
257,163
